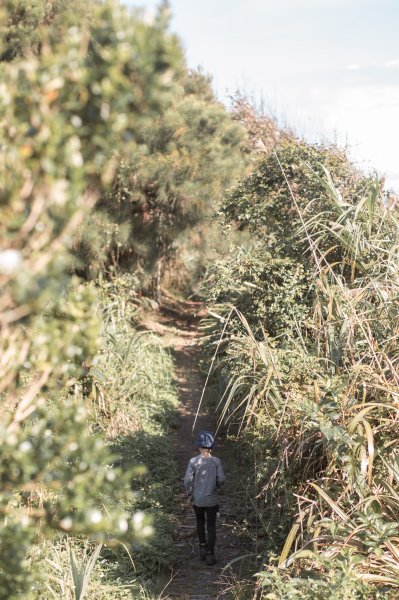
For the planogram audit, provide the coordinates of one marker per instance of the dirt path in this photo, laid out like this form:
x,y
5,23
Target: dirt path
x,y
194,580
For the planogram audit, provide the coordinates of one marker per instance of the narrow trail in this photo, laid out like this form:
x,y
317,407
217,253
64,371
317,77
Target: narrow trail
x,y
193,579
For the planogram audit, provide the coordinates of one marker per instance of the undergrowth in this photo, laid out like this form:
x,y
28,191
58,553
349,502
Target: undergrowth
x,y
131,400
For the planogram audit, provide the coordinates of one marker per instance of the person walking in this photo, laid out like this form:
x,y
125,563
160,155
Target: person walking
x,y
204,476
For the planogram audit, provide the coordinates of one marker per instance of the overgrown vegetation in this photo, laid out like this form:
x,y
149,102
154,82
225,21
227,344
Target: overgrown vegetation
x,y
131,399
115,159
170,180
61,110
308,326
81,84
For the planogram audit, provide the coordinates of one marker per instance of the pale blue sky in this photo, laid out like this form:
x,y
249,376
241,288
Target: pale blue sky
x,y
328,68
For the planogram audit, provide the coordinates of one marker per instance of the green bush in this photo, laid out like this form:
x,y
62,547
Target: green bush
x,y
65,108
287,189
309,327
168,185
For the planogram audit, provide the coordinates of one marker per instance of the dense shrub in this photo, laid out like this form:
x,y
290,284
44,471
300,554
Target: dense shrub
x,y
64,109
309,336
168,186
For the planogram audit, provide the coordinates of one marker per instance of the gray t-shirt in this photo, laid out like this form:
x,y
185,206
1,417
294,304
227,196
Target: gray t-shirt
x,y
203,476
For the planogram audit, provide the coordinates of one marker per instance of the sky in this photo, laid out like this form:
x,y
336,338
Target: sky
x,y
329,69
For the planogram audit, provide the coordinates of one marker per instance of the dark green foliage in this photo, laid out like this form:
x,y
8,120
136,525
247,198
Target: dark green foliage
x,y
60,471
156,494
275,293
16,540
49,456
134,403
287,189
172,180
27,25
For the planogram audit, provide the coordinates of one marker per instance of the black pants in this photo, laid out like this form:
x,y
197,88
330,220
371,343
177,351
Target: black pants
x,y
210,513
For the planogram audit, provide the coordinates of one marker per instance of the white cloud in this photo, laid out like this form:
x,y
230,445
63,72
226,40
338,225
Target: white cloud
x,y
313,4
390,64
393,63
368,118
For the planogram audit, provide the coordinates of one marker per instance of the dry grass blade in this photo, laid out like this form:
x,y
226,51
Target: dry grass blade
x,y
370,448
288,544
331,502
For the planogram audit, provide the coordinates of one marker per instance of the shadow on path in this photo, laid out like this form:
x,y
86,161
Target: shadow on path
x,y
194,580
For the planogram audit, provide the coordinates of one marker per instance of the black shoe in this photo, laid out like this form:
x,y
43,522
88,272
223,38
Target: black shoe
x,y
210,559
203,551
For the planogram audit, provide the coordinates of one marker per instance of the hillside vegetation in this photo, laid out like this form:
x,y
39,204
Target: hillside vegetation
x,y
305,324
122,175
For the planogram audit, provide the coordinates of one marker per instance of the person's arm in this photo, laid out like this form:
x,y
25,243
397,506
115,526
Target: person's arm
x,y
220,476
189,480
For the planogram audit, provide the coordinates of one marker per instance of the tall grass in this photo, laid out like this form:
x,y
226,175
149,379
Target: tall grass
x,y
131,398
318,405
